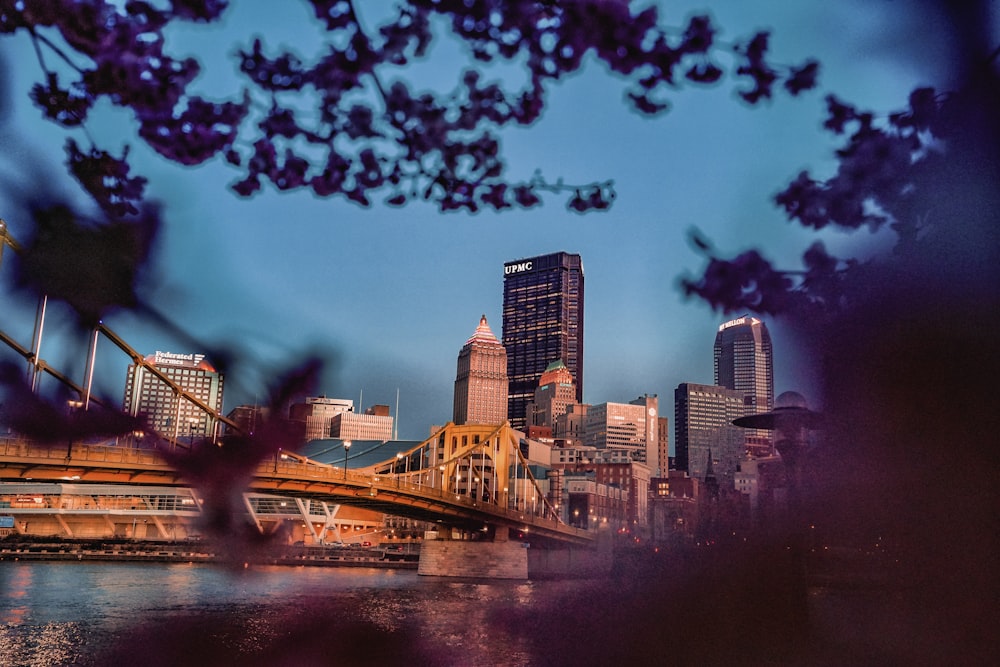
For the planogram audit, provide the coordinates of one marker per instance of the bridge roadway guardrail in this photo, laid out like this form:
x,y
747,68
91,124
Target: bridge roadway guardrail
x,y
277,475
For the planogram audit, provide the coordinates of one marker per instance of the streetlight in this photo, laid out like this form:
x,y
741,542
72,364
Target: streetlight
x,y
347,448
399,458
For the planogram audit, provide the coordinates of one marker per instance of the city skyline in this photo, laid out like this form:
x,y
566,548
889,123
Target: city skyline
x,y
384,296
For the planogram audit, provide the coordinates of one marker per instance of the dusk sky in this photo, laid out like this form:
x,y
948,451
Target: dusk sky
x,y
389,296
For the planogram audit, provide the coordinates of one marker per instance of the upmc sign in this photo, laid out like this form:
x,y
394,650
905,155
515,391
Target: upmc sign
x,y
516,267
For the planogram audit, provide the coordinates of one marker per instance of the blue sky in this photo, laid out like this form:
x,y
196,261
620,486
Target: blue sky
x,y
390,295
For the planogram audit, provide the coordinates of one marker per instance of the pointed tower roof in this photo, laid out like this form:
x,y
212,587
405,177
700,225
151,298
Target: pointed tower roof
x,y
483,334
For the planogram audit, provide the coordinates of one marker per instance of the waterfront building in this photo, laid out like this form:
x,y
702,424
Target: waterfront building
x,y
556,391
743,361
157,513
543,301
317,413
628,427
168,412
374,424
616,476
704,433
593,505
673,507
481,379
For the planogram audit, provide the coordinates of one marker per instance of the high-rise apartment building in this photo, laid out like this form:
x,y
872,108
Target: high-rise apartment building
x,y
481,380
703,429
166,411
542,322
743,361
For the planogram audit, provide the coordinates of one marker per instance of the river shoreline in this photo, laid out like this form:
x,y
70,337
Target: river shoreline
x,y
198,552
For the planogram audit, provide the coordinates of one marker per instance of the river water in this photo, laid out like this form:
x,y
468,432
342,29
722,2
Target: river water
x,y
184,614
159,614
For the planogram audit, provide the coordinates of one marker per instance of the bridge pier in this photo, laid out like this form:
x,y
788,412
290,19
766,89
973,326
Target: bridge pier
x,y
501,558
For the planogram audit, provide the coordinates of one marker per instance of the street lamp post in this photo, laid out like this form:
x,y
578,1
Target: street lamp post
x,y
347,448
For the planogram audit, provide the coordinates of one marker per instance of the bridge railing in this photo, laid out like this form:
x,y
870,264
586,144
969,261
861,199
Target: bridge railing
x,y
281,468
80,453
505,506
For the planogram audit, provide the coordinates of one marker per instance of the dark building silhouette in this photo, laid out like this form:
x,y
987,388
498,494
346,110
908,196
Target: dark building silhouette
x,y
542,323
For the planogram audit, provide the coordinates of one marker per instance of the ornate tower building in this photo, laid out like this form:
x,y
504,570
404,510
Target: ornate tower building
x,y
481,381
555,393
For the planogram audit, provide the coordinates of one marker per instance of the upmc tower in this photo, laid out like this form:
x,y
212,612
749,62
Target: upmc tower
x,y
542,323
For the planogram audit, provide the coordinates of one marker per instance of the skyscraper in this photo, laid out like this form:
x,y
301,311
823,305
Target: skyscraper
x,y
743,361
481,380
167,412
542,323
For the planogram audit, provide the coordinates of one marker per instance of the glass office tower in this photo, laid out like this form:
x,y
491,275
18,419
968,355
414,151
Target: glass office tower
x,y
744,362
542,323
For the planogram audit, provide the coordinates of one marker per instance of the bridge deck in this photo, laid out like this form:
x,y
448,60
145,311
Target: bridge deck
x,y
81,463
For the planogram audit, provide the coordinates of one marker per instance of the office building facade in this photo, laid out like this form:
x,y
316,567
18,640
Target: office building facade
x,y
317,412
631,428
481,379
543,317
374,424
703,430
167,412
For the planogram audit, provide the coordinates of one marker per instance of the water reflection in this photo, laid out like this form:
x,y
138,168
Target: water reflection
x,y
121,613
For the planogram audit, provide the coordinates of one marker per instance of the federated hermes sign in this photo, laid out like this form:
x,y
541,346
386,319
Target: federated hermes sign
x,y
174,359
517,267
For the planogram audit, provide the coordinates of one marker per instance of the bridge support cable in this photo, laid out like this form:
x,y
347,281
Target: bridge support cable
x,y
482,463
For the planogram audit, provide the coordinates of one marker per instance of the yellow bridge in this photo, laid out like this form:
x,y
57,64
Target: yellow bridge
x,y
471,477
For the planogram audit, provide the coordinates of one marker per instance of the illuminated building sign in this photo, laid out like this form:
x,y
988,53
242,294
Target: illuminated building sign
x,y
738,321
173,359
516,267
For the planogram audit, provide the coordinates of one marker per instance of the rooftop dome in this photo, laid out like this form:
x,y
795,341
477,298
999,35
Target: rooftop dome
x,y
790,400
